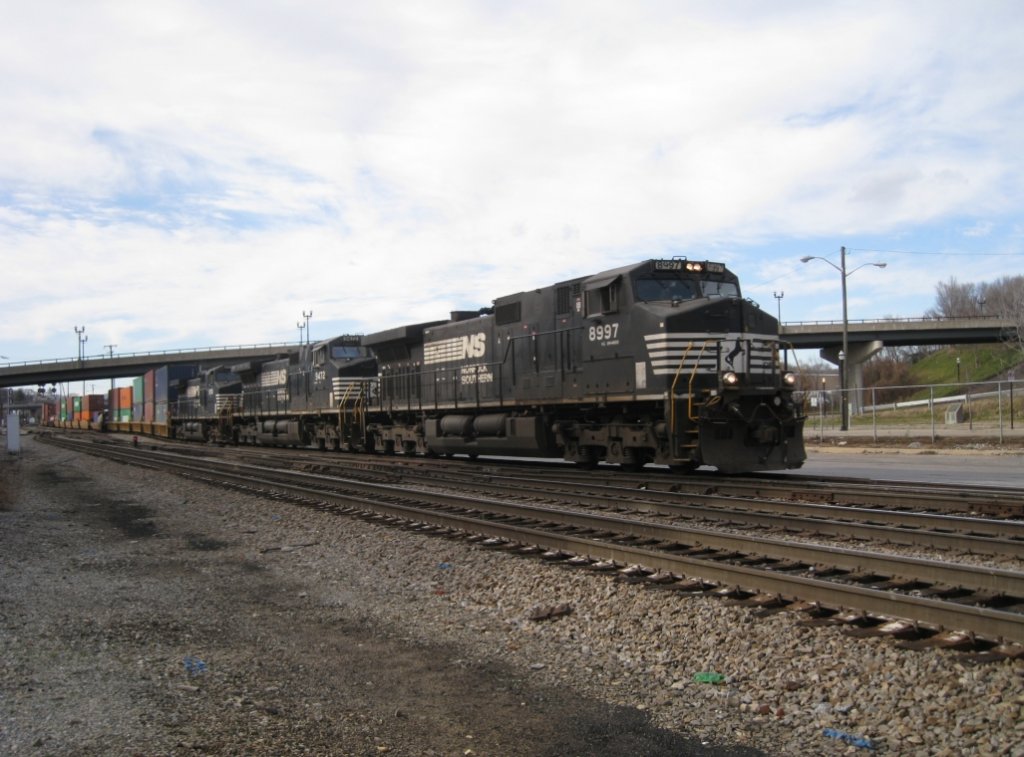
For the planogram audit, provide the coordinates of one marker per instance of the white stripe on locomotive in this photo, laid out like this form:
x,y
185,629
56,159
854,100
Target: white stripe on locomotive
x,y
755,356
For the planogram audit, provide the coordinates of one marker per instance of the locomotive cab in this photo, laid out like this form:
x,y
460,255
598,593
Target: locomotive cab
x,y
716,359
679,369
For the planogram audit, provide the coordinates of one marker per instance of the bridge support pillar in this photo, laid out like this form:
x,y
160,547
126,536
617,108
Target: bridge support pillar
x,y
860,353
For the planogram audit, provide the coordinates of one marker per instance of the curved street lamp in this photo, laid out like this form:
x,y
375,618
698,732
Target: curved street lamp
x,y
845,353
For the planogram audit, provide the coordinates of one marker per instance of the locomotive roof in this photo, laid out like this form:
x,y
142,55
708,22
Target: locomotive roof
x,y
409,334
597,280
706,266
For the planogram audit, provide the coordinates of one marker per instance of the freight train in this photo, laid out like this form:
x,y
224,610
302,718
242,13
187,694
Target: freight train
x,y
659,362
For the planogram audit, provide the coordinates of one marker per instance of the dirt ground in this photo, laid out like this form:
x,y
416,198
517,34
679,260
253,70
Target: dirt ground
x,y
143,615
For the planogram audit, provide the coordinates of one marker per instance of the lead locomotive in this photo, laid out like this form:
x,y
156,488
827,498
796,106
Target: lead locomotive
x,y
662,361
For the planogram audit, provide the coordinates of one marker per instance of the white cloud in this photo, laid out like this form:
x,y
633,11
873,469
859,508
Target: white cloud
x,y
241,161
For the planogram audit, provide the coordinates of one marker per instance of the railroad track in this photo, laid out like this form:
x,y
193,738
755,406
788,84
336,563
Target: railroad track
x,y
937,602
789,514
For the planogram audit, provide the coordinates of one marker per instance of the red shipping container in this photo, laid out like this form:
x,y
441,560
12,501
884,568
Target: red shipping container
x,y
148,388
93,402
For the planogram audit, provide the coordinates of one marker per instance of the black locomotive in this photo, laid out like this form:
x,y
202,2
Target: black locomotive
x,y
662,362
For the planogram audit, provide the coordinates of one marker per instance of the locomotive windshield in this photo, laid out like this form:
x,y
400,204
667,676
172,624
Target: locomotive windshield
x,y
665,288
669,288
719,288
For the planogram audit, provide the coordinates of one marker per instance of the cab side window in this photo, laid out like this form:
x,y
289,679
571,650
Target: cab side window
x,y
603,300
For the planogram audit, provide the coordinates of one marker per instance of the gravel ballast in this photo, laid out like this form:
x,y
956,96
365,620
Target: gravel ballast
x,y
146,614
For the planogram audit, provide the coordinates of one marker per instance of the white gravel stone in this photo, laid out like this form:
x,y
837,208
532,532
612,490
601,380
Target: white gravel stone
x,y
623,642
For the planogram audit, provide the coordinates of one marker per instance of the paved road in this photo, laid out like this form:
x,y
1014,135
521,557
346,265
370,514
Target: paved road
x,y
996,469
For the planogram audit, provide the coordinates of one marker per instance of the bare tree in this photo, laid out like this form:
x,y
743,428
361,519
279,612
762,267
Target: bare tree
x,y
1002,298
1005,298
955,300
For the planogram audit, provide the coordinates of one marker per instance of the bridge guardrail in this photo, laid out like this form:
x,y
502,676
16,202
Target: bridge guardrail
x,y
150,353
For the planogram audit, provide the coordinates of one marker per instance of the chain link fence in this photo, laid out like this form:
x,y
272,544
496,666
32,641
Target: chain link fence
x,y
993,410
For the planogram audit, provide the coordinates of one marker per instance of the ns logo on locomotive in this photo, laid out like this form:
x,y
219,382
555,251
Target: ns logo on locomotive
x,y
658,362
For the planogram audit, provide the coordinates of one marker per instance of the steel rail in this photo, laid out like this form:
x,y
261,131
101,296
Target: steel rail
x,y
986,622
994,581
929,529
834,491
976,535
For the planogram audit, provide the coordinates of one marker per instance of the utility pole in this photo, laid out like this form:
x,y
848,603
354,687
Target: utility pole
x,y
110,349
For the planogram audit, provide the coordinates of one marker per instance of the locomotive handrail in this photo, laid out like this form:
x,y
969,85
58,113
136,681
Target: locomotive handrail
x,y
343,412
693,375
675,379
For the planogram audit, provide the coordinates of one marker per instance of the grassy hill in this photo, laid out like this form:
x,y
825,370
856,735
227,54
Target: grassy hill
x,y
978,362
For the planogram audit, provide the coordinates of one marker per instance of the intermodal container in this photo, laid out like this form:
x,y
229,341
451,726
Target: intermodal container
x,y
148,385
137,398
93,406
171,381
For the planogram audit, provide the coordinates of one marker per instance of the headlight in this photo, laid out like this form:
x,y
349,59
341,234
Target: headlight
x,y
729,378
789,379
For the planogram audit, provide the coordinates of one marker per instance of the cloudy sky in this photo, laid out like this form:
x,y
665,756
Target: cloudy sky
x,y
178,174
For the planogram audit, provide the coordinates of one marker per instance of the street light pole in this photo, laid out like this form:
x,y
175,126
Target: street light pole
x,y
778,296
81,343
307,316
844,355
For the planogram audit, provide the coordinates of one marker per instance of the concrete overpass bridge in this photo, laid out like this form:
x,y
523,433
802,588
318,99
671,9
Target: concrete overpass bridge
x,y
131,364
867,338
864,337
899,332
